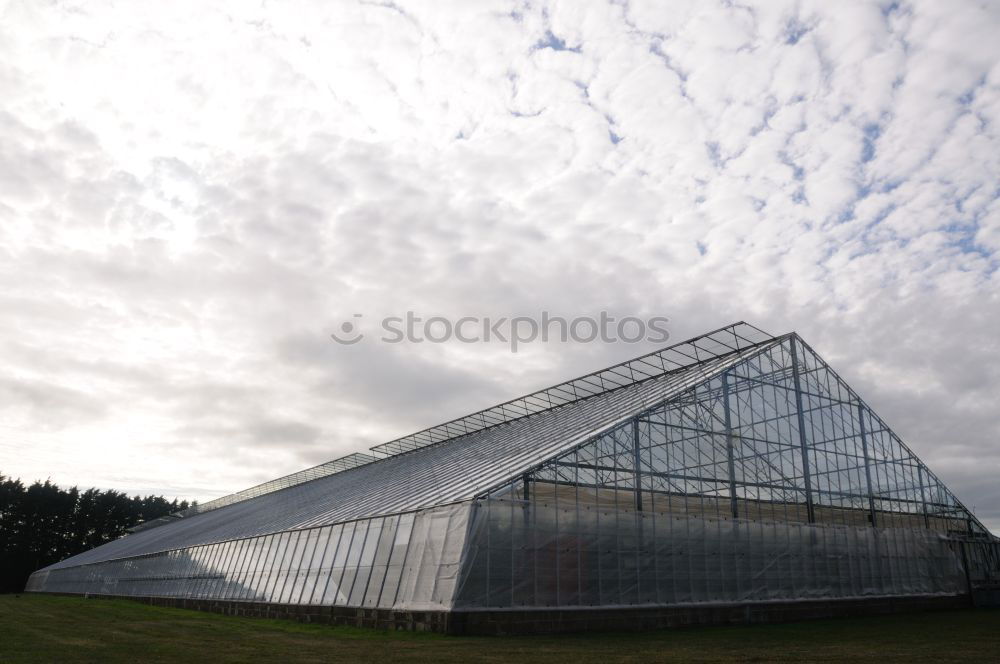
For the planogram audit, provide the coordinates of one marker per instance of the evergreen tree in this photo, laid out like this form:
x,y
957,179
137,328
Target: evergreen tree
x,y
42,523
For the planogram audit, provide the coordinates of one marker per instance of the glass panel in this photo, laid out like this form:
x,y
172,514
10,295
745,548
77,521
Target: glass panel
x,y
351,563
281,550
262,576
218,569
245,574
286,573
365,563
400,544
296,573
324,565
381,561
332,594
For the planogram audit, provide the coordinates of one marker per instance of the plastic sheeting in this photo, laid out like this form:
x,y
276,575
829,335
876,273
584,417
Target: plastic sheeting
x,y
408,561
508,553
528,554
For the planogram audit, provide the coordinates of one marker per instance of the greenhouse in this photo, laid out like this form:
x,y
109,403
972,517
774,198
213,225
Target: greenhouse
x,y
731,477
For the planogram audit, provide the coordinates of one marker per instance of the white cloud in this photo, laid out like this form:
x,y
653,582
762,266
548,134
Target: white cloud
x,y
188,207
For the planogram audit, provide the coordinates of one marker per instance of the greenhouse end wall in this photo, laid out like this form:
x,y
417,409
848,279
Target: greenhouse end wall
x,y
527,554
405,562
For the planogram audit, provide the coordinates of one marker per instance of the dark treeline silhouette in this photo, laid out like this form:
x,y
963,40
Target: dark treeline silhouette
x,y
41,524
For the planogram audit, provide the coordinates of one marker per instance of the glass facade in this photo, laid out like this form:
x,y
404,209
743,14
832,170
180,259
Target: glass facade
x,y
772,480
776,437
752,473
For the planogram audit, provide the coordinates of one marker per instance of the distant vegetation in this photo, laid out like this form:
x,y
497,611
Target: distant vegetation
x,y
41,524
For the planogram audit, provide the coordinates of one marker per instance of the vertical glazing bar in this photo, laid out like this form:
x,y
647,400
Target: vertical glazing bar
x,y
489,570
923,496
635,461
730,452
968,574
406,554
579,544
810,510
868,466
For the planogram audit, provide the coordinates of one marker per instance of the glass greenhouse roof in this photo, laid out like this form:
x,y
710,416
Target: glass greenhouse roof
x,y
454,461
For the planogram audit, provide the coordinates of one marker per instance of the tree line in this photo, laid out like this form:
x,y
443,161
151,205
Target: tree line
x,y
42,523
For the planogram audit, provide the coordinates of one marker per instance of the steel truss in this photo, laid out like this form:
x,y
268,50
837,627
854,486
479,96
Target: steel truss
x,y
776,436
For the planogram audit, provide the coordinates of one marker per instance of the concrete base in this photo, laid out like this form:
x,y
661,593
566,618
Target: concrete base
x,y
545,621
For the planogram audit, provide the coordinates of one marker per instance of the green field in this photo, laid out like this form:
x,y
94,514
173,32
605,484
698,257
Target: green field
x,y
65,629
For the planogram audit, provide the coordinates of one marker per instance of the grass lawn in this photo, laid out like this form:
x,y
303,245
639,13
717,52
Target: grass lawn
x,y
68,629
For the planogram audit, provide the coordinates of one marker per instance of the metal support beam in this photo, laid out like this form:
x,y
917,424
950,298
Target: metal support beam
x,y
810,508
729,445
868,468
526,479
968,573
721,484
923,497
636,458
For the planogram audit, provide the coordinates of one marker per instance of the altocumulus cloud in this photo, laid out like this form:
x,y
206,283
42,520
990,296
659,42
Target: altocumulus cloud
x,y
192,195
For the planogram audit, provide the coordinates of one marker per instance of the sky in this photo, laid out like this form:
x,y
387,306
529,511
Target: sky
x,y
195,195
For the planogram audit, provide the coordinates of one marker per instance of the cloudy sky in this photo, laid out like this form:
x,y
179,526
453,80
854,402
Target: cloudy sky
x,y
193,196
